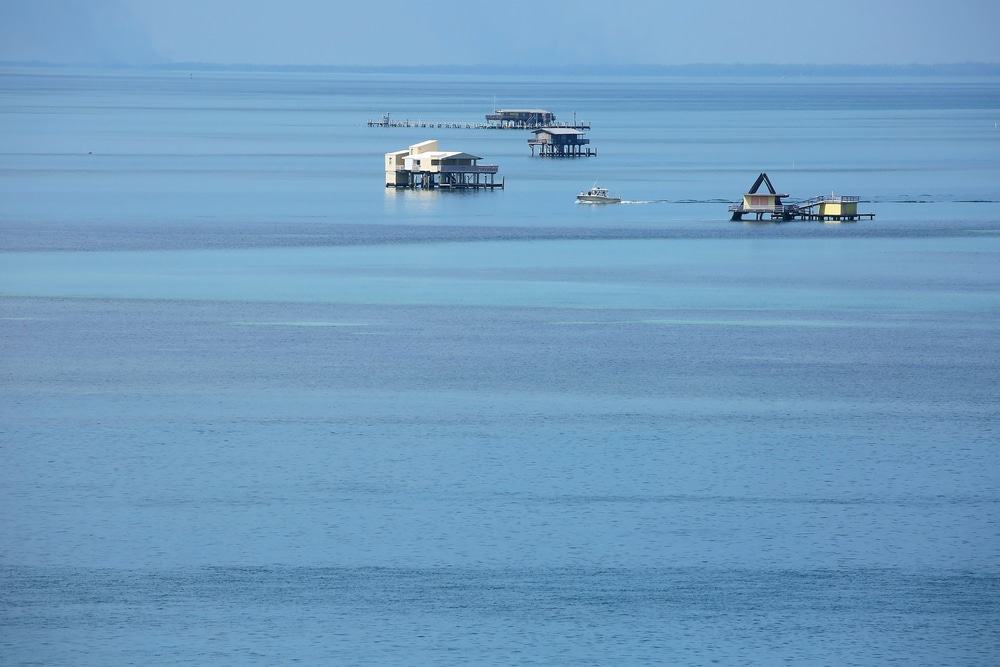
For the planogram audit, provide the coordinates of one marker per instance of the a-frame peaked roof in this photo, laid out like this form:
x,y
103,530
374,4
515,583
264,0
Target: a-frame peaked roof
x,y
762,179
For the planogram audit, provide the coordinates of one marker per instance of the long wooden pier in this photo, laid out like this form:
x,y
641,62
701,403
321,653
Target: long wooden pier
x,y
387,121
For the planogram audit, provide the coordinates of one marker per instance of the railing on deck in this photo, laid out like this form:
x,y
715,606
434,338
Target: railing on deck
x,y
543,142
780,209
469,169
828,199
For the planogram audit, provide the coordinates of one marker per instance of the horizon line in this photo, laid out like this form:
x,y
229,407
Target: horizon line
x,y
641,68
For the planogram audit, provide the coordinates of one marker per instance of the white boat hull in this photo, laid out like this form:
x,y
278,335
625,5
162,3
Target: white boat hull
x,y
589,199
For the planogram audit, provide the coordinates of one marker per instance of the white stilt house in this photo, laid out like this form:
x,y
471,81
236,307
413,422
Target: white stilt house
x,y
424,166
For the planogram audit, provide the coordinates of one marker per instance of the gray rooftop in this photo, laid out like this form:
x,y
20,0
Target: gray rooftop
x,y
522,111
558,130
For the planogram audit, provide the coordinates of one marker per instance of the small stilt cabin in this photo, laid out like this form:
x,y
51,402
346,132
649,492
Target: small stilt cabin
x,y
761,204
560,142
832,208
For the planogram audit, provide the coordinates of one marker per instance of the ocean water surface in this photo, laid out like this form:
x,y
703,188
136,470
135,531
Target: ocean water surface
x,y
259,409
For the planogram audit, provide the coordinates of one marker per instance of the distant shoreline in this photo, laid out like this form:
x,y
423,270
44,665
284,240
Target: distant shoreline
x,y
700,70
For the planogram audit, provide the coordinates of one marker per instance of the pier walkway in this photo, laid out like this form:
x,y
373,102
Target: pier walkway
x,y
386,121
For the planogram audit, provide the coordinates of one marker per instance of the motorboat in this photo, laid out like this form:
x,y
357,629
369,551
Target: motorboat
x,y
597,195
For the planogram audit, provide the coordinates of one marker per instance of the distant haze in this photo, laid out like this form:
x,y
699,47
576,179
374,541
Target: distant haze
x,y
514,32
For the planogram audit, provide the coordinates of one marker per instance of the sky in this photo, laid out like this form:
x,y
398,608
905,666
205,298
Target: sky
x,y
512,32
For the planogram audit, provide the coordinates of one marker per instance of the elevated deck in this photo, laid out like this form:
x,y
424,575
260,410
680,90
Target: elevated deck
x,y
579,148
768,205
822,208
451,177
782,212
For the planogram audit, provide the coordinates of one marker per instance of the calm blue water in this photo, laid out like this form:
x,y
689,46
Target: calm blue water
x,y
259,409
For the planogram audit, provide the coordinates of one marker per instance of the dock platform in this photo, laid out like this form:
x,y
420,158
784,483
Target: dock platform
x,y
768,205
449,178
820,209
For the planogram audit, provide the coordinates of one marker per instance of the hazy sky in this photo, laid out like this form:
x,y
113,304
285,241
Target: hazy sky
x,y
518,32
